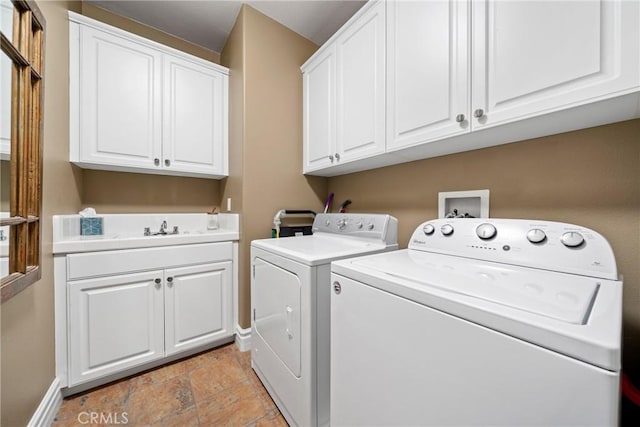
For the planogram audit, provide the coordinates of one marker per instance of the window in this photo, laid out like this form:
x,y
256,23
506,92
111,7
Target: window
x,y
21,89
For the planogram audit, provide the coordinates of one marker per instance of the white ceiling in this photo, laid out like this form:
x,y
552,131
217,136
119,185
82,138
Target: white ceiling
x,y
208,23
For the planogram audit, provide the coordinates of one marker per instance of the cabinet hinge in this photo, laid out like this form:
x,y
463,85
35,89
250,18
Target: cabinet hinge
x,y
254,314
254,271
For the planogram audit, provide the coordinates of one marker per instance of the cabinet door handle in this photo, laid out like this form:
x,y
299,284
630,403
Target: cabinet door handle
x,y
167,162
337,156
478,113
460,118
170,280
158,281
156,161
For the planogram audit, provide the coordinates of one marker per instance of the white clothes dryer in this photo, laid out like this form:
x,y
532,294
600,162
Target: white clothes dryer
x,y
290,296
479,322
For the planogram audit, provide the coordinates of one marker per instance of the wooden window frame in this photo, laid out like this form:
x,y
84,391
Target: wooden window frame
x,y
26,50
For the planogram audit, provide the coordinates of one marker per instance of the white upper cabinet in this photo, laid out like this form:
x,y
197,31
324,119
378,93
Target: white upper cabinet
x,y
319,110
195,117
427,71
120,100
535,57
138,106
463,75
344,94
360,100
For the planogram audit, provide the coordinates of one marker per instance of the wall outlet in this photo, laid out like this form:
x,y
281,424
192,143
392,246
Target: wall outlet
x,y
474,203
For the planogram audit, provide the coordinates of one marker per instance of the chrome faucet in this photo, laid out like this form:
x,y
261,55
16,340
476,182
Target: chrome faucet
x,y
162,231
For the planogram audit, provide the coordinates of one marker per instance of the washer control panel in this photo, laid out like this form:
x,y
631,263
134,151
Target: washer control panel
x,y
540,244
374,226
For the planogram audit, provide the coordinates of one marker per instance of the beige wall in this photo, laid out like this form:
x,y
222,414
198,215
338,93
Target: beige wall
x,y
271,131
143,30
232,57
27,319
589,177
119,192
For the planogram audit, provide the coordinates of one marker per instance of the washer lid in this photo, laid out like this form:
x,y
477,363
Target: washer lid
x,y
320,248
563,297
577,316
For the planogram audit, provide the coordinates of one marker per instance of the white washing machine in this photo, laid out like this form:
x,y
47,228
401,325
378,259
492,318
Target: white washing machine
x,y
479,322
290,296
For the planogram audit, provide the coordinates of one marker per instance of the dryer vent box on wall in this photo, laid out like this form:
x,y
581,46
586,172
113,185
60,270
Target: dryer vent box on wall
x,y
474,203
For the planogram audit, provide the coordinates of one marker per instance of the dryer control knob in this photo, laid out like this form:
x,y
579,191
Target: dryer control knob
x,y
447,229
359,225
327,223
535,235
428,229
486,231
342,223
572,239
370,226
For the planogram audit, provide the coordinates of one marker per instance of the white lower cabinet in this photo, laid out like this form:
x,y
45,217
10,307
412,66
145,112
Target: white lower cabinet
x,y
190,294
118,318
116,323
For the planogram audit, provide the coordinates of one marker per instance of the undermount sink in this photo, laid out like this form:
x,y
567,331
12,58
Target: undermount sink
x,y
162,234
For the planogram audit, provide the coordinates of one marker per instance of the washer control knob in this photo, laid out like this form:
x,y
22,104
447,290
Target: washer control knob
x,y
535,235
447,229
428,229
359,225
327,223
486,231
370,226
572,239
342,223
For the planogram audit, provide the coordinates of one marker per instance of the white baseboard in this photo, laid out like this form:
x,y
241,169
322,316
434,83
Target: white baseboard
x,y
48,408
243,338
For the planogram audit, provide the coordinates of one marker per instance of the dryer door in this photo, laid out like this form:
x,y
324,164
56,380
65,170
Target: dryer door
x,y
276,305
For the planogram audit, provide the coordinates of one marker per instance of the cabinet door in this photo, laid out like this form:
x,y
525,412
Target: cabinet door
x,y
427,71
198,303
535,57
195,118
319,112
114,323
360,99
120,101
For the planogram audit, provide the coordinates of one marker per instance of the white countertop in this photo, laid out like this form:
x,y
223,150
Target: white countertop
x,y
126,231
